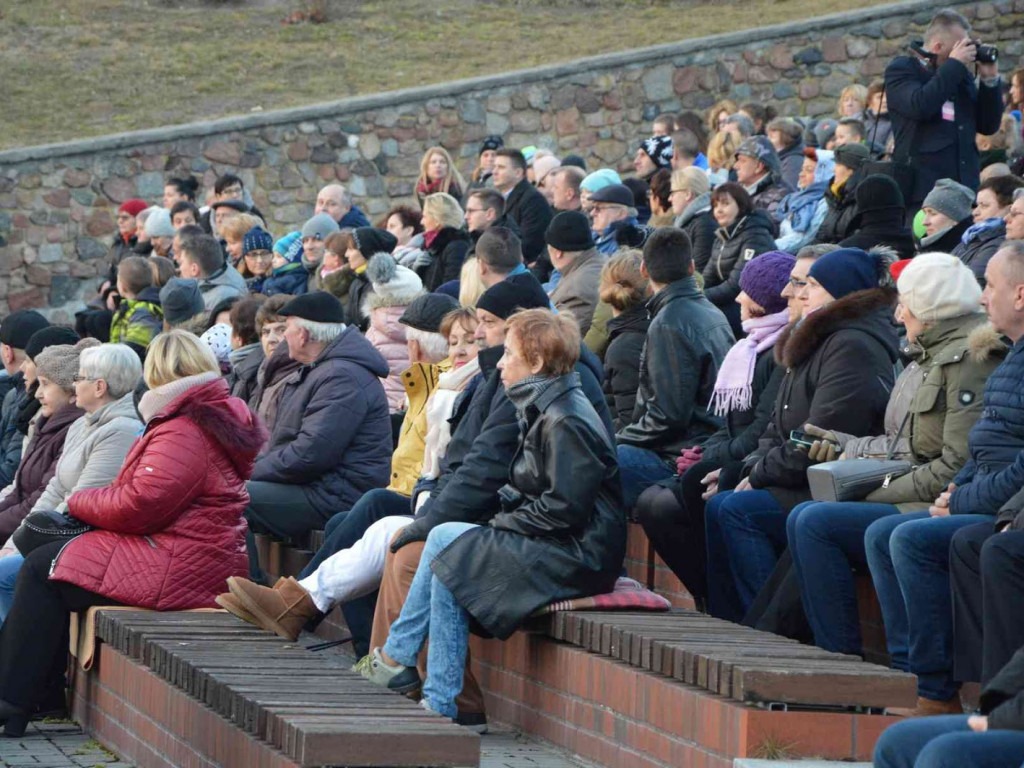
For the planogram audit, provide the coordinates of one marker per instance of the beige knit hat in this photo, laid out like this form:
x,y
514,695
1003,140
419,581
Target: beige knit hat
x,y
937,286
59,363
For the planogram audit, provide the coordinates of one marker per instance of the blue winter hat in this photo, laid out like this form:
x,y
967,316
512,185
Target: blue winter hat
x,y
599,179
257,239
845,271
289,247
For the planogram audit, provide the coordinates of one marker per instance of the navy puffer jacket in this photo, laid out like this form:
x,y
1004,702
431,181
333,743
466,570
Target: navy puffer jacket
x,y
995,469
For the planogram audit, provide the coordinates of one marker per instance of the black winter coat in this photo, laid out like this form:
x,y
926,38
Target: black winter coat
x,y
977,253
356,313
938,147
768,194
947,241
332,436
686,342
561,532
118,250
244,375
882,227
11,439
1003,698
792,160
627,334
743,429
449,251
842,210
751,236
697,222
529,209
838,374
480,452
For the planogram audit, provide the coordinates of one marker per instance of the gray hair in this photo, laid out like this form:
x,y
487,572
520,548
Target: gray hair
x,y
432,345
816,251
1018,193
321,332
944,22
116,364
744,123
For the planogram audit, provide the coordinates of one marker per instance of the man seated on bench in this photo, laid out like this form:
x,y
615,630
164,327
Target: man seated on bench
x,y
332,436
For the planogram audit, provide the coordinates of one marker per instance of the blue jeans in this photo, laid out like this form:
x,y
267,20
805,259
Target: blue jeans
x,y
746,533
430,610
909,560
639,470
10,567
826,541
947,742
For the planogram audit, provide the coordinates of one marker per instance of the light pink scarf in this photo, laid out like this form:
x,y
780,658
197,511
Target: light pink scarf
x,y
733,391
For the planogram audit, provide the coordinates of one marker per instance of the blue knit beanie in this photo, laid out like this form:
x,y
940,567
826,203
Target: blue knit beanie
x,y
289,247
257,239
845,271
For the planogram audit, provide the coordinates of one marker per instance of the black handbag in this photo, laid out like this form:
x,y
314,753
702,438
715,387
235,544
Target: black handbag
x,y
46,527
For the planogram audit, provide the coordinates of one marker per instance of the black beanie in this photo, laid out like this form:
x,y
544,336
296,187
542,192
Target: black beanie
x,y
318,306
18,327
515,292
370,240
878,192
569,231
48,337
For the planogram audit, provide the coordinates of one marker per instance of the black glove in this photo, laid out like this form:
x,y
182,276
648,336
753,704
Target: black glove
x,y
417,530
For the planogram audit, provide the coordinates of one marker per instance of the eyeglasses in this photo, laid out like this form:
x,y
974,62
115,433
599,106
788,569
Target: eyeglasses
x,y
674,191
475,210
797,283
259,255
81,377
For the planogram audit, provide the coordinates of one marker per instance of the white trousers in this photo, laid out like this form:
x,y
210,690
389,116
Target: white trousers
x,y
355,571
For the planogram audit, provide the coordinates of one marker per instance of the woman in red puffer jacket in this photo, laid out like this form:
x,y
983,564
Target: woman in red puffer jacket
x,y
168,530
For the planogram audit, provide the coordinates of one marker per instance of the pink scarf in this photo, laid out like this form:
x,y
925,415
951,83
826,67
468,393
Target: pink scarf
x,y
733,390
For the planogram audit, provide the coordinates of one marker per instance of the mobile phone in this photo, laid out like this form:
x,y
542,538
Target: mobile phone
x,y
800,437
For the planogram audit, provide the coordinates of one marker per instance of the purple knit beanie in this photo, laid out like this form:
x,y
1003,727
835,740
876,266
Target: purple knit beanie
x,y
764,278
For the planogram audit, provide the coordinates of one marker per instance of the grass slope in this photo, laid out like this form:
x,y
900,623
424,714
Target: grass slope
x,y
76,68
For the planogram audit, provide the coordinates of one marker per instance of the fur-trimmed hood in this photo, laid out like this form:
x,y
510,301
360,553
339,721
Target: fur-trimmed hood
x,y
984,342
869,311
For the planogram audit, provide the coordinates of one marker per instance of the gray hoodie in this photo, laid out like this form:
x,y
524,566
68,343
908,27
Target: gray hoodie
x,y
222,285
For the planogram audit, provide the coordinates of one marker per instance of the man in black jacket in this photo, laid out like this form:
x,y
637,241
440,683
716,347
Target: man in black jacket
x,y
937,107
525,206
686,342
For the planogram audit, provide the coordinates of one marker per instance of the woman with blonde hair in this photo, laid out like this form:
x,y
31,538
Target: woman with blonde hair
x,y
438,174
719,113
690,195
471,285
172,518
852,101
233,231
624,288
447,243
721,156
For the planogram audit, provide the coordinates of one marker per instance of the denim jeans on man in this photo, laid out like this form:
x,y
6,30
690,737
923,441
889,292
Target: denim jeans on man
x,y
909,560
430,610
826,541
746,532
947,742
639,470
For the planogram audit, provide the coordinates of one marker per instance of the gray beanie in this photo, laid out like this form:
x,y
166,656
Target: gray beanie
x,y
59,363
950,199
159,223
319,226
181,300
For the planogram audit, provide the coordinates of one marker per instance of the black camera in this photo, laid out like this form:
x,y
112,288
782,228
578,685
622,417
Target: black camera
x,y
986,54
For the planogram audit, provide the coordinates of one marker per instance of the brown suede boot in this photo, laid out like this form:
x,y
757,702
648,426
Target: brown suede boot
x,y
234,606
284,610
929,707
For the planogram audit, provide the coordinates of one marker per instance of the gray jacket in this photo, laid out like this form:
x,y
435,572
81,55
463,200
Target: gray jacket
x,y
222,285
94,450
577,291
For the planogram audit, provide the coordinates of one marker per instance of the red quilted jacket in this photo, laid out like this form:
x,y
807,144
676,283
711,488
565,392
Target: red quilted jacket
x,y
170,525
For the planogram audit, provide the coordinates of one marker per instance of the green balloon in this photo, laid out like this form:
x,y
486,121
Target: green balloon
x,y
919,232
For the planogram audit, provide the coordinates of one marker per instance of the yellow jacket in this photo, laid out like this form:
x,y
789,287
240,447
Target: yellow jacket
x,y
419,380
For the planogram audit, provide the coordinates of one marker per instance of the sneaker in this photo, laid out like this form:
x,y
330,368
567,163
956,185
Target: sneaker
x,y
395,678
474,721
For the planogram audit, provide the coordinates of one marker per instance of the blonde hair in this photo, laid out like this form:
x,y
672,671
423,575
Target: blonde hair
x,y
453,172
471,286
175,354
722,150
622,284
692,179
725,105
857,91
236,227
444,209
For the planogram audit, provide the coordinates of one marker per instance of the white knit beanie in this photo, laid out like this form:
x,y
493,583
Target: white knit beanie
x,y
937,286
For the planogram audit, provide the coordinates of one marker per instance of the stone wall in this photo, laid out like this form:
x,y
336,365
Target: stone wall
x,y
57,202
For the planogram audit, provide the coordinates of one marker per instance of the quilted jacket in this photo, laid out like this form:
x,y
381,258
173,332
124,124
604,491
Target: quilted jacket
x,y
170,527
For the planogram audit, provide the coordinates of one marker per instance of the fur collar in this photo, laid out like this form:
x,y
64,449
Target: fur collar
x,y
799,340
984,342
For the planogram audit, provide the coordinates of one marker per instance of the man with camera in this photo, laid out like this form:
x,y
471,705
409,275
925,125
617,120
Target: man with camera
x,y
937,106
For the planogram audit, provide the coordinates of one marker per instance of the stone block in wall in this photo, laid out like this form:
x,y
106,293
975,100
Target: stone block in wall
x,y
74,177
808,56
685,80
780,56
37,274
26,299
657,83
858,47
118,188
226,152
833,48
50,253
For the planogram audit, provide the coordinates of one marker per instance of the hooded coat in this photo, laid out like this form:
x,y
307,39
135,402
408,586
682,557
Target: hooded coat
x,y
686,342
447,251
841,213
169,528
734,246
271,378
561,531
332,434
223,284
138,320
38,465
980,248
791,160
838,365
577,291
697,222
882,226
245,366
627,335
393,290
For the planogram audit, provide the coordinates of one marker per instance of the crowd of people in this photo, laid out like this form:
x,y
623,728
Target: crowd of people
x,y
472,395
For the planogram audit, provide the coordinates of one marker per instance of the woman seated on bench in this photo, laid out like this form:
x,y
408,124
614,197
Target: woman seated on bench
x,y
561,535
169,529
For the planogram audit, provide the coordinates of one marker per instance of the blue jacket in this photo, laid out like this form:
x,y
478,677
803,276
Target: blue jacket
x,y
291,279
937,146
995,468
354,218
